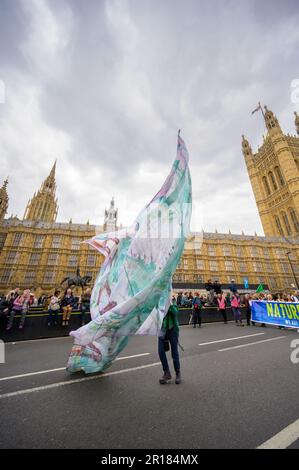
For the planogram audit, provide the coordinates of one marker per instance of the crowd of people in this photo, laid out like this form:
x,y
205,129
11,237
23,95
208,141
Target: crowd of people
x,y
17,303
215,297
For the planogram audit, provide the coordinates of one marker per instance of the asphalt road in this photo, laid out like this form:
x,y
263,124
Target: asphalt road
x,y
229,398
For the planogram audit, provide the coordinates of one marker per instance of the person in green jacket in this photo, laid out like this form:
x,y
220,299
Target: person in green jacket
x,y
170,334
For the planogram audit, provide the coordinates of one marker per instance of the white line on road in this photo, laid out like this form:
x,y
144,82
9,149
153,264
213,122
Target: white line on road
x,y
251,344
284,438
54,338
69,382
230,339
63,368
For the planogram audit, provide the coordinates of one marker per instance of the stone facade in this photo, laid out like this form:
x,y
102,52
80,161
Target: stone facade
x,y
39,253
274,176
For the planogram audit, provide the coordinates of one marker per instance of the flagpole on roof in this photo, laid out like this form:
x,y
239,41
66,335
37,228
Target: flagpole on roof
x,y
261,108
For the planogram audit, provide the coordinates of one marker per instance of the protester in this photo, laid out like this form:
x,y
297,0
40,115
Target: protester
x,y
170,334
85,304
67,305
8,302
179,299
20,306
232,287
42,300
221,300
228,299
247,302
54,307
185,300
210,289
235,305
196,310
217,288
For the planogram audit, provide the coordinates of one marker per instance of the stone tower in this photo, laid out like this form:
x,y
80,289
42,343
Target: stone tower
x,y
274,176
43,206
110,220
3,200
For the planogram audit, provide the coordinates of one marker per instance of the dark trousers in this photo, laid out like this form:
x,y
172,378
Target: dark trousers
x,y
173,338
14,312
85,309
248,315
196,316
237,314
223,313
51,314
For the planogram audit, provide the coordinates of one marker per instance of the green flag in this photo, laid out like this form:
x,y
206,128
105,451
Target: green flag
x,y
260,288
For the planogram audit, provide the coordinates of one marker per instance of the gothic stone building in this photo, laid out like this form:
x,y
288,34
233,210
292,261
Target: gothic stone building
x,y
38,252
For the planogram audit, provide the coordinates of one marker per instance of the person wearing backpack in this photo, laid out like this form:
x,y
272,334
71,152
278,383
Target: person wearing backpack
x,y
20,307
170,334
196,310
53,309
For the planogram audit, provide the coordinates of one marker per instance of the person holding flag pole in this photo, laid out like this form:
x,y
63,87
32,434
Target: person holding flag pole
x,y
258,291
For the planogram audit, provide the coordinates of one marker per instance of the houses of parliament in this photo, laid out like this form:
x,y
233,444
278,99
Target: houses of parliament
x,y
37,252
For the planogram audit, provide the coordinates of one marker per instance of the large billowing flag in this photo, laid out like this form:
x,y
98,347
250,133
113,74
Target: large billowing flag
x,y
131,294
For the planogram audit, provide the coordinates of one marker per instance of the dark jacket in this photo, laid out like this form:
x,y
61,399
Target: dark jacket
x,y
233,288
217,287
68,301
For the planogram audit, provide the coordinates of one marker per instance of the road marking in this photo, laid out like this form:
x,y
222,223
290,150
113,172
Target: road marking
x,y
62,368
284,438
131,357
251,344
230,339
70,382
55,338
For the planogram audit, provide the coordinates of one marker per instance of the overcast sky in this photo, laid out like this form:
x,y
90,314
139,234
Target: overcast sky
x,y
103,86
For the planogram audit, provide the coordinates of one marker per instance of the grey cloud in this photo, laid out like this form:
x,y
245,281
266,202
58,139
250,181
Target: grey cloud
x,y
124,76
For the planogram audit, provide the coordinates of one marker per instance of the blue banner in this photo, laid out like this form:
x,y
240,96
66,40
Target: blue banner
x,y
276,313
246,283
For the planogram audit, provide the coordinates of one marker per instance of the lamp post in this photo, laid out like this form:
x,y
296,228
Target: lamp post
x,y
292,269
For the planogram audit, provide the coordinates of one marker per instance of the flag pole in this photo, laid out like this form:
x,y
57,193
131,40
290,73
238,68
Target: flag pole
x,y
261,108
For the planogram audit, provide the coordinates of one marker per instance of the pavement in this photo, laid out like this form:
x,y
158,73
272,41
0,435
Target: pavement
x,y
239,391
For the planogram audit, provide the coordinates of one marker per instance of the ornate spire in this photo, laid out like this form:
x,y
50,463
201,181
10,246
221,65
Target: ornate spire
x,y
3,200
43,206
49,184
271,121
110,220
297,122
246,148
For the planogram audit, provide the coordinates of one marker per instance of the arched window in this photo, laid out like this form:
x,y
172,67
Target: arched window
x,y
278,225
266,186
294,219
279,176
272,179
286,223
